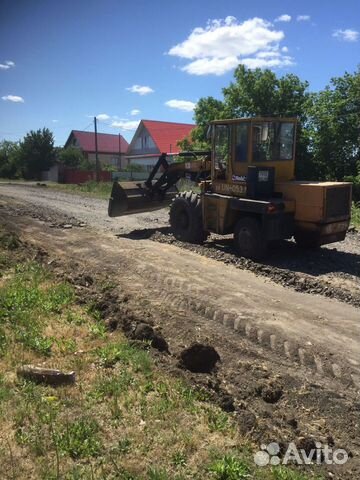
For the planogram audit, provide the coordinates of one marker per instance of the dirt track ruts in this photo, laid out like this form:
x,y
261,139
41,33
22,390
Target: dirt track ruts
x,y
332,271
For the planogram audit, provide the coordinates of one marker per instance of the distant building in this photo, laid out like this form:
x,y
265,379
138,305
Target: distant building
x,y
152,138
111,148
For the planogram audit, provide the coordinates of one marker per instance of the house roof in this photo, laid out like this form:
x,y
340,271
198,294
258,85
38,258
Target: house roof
x,y
166,134
107,142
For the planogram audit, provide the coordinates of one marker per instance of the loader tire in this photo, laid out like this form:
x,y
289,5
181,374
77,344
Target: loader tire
x,y
186,218
249,239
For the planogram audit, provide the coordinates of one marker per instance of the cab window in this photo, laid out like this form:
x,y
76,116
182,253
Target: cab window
x,y
273,141
241,142
221,150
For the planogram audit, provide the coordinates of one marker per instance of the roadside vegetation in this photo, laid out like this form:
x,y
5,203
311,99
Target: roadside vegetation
x,y
355,214
89,189
122,419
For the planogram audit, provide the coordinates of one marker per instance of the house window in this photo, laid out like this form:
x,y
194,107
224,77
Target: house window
x,y
144,141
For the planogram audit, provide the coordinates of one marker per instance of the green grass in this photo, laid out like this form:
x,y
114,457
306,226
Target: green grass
x,y
123,419
26,301
79,438
89,189
355,214
229,468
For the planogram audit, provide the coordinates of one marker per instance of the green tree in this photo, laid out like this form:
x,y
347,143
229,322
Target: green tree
x,y
335,119
9,159
37,153
71,157
261,92
206,110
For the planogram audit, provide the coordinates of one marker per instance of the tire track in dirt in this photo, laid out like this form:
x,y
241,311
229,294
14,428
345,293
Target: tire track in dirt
x,y
184,295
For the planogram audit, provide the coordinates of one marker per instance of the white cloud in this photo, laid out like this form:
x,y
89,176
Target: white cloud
x,y
54,121
283,18
13,98
134,111
303,18
6,65
284,49
211,66
184,105
140,89
124,124
347,35
220,46
261,62
102,117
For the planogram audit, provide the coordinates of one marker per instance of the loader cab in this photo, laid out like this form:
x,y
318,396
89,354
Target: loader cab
x,y
243,146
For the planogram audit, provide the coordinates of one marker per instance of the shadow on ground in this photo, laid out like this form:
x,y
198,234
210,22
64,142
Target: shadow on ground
x,y
284,255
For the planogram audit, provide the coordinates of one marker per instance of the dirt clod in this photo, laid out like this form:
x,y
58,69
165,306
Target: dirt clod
x,y
199,358
306,443
111,324
292,422
144,331
271,393
226,402
160,343
247,421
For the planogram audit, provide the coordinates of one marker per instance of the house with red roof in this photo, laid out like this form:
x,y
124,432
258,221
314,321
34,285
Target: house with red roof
x,y
152,138
111,148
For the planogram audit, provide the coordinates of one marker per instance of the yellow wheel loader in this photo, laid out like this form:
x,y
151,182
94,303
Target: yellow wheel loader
x,y
247,187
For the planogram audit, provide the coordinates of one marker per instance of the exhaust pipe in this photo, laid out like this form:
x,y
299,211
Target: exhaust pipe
x,y
131,197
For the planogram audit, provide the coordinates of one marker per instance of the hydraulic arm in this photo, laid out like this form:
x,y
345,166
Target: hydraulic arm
x,y
136,197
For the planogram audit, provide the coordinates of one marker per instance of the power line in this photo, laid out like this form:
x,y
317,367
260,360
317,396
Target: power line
x,y
87,126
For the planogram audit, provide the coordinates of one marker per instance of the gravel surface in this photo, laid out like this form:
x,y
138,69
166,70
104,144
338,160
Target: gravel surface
x,y
333,270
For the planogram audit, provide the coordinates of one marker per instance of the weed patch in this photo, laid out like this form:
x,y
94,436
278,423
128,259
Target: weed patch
x,y
229,468
79,438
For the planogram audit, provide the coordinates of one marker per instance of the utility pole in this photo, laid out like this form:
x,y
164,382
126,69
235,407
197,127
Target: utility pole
x,y
119,151
96,152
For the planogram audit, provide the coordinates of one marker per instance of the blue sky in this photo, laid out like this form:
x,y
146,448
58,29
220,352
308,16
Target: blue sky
x,y
62,62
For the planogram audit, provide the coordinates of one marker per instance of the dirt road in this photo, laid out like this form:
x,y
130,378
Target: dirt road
x,y
307,346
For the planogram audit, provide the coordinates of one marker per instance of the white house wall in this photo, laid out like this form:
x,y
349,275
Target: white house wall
x,y
142,143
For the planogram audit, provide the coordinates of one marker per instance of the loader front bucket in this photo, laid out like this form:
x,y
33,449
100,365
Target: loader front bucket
x,y
130,197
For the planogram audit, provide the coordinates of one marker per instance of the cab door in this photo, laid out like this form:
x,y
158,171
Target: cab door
x,y
241,151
